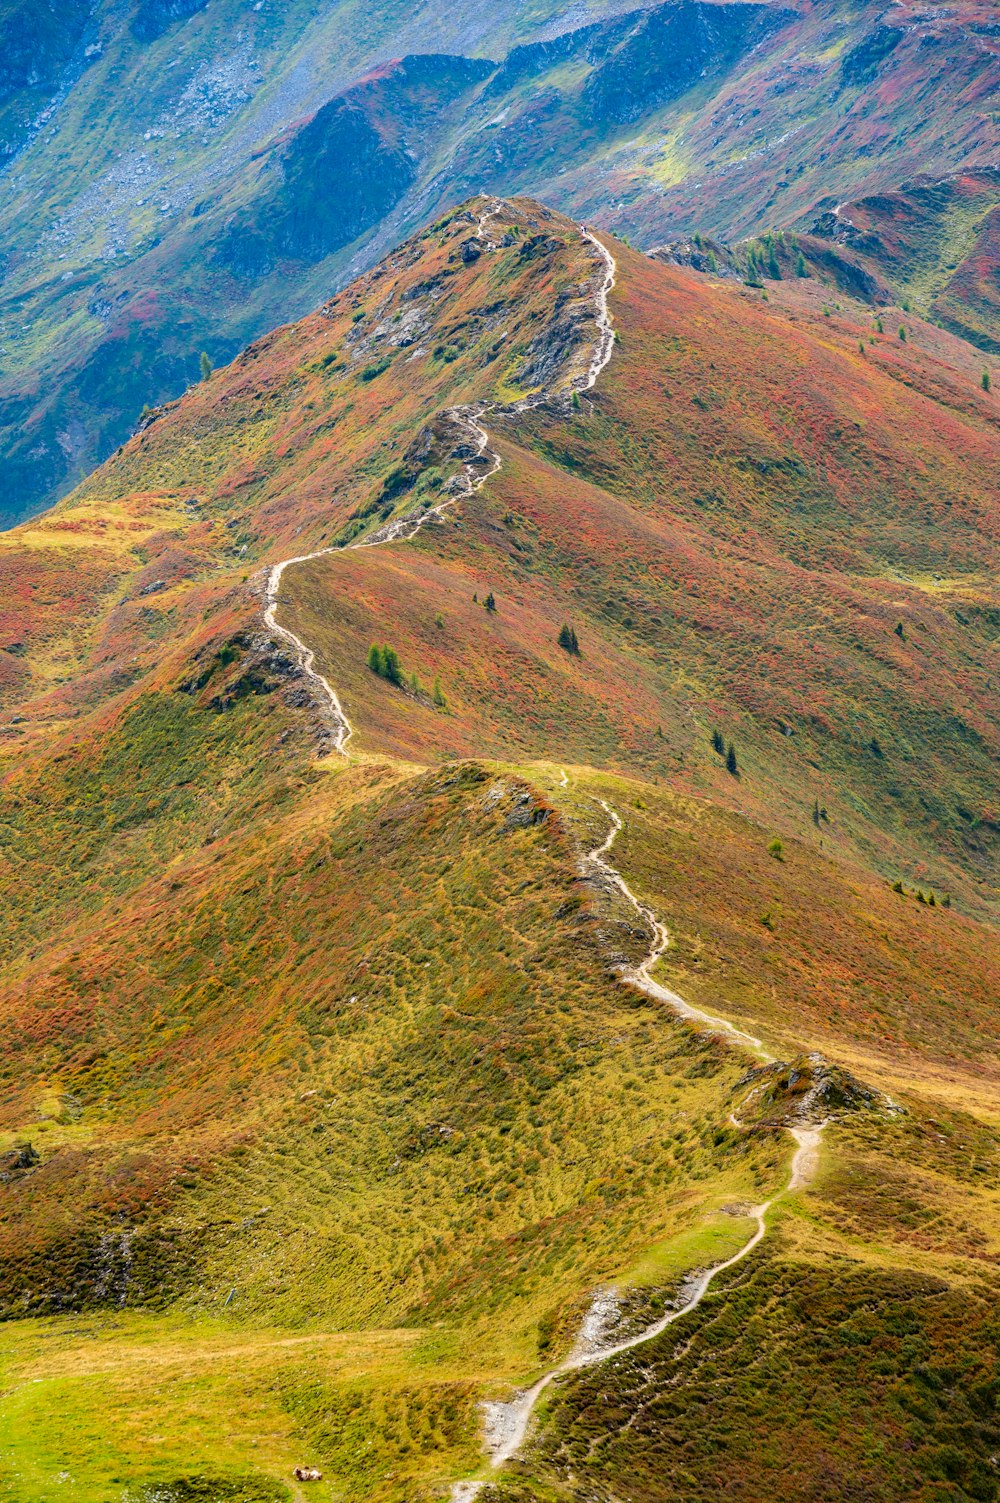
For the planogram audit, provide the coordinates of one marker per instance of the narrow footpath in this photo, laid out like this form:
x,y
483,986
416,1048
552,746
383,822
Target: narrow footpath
x,y
468,419
507,1423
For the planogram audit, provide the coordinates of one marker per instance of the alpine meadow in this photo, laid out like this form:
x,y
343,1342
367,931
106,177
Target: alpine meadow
x,y
499,752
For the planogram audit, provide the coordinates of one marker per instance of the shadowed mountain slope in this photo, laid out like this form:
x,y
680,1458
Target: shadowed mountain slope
x,y
198,175
939,244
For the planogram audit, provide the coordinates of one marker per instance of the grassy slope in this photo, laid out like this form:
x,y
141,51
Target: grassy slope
x,y
736,528
343,1039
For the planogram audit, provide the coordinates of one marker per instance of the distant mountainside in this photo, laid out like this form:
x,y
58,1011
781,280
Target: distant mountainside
x,y
182,176
938,241
931,247
326,1115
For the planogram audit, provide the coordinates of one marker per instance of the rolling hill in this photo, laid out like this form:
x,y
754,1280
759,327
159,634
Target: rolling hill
x,y
326,1114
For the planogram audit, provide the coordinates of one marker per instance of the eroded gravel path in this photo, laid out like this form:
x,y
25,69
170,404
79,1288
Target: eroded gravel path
x,y
472,476
506,1423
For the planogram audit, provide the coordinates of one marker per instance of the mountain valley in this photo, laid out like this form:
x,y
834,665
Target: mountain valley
x,y
183,177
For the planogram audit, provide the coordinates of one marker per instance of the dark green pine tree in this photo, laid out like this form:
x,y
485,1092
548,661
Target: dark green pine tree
x,y
718,745
391,666
732,765
490,602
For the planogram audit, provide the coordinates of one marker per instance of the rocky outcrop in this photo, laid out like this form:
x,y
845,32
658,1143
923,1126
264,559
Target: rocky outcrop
x,y
810,1090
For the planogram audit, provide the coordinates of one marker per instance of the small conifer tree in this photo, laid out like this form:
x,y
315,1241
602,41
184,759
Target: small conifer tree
x,y
206,366
801,269
718,745
375,662
902,334
490,603
986,381
391,667
732,766
438,695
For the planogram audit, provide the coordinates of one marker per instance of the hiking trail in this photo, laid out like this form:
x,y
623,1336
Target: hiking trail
x,y
471,477
506,1422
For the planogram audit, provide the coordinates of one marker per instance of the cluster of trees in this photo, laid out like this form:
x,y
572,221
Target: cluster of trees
x,y
384,661
762,260
922,897
567,640
719,746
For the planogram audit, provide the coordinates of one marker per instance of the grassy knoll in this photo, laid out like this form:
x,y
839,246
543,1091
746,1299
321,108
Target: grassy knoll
x,y
856,1353
440,1138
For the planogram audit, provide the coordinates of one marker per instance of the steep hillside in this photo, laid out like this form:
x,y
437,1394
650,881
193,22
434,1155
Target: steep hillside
x,y
939,244
327,1115
200,173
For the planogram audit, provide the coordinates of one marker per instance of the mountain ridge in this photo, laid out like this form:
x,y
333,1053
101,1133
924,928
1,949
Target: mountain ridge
x,y
202,228
326,1118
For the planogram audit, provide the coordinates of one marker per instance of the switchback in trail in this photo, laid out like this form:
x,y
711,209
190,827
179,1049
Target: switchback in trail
x,y
468,421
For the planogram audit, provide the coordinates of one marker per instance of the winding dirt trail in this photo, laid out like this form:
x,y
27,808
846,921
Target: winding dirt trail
x,y
471,477
506,1423
639,976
